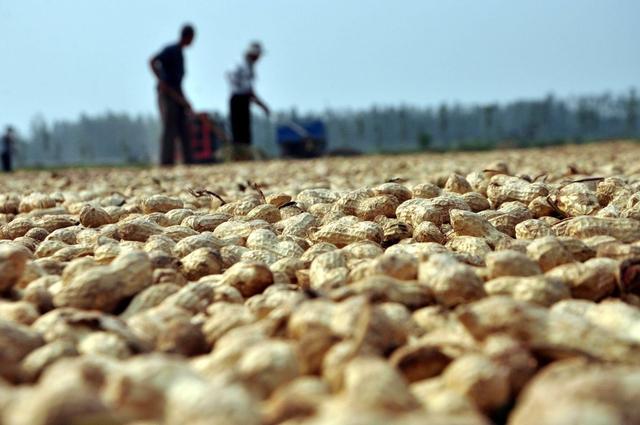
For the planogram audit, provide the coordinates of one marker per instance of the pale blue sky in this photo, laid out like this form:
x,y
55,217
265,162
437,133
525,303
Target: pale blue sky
x,y
64,57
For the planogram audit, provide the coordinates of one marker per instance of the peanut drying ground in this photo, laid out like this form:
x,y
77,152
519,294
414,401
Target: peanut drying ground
x,y
462,288
338,173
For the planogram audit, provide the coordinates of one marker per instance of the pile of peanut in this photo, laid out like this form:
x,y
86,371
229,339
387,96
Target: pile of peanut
x,y
466,289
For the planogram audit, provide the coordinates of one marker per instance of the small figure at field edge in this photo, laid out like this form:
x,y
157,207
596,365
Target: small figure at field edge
x,y
242,95
8,146
169,68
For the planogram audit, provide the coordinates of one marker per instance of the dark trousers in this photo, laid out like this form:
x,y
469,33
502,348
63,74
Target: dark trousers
x,y
240,118
6,161
174,126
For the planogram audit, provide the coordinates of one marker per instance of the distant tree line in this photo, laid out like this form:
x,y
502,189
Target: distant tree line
x,y
106,139
523,123
122,139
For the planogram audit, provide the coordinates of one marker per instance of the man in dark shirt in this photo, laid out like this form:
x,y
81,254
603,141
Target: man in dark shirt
x,y
7,149
168,67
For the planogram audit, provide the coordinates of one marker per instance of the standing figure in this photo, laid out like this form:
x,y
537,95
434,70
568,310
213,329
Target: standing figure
x,y
169,68
242,95
8,142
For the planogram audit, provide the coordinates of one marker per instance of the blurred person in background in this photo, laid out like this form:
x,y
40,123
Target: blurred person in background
x,y
169,68
8,146
243,95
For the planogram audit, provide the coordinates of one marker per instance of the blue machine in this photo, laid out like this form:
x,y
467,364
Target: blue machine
x,y
302,140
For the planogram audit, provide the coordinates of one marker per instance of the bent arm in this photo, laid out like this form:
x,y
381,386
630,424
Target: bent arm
x,y
255,99
156,67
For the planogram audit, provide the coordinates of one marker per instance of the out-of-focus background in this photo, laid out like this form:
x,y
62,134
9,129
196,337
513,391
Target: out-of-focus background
x,y
381,76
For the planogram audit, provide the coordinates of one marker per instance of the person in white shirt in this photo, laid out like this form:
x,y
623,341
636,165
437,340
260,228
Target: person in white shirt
x,y
243,94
